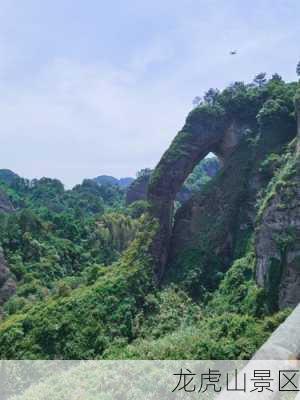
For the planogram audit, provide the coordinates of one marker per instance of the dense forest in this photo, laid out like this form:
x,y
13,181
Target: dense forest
x,y
77,276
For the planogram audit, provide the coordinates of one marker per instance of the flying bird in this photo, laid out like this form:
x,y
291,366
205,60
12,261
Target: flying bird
x,y
233,53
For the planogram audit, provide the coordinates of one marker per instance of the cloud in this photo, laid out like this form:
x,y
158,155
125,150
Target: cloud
x,y
89,90
77,121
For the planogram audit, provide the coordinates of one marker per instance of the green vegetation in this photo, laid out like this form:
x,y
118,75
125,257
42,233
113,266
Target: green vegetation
x,y
202,174
81,323
59,237
82,260
284,169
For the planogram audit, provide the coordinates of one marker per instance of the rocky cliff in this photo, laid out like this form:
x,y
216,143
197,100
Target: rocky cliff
x,y
278,232
203,172
278,238
138,190
217,226
206,130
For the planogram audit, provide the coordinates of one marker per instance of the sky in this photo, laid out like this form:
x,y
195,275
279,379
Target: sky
x,y
92,87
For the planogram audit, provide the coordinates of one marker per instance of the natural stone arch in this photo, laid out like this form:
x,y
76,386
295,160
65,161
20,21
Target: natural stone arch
x,y
207,129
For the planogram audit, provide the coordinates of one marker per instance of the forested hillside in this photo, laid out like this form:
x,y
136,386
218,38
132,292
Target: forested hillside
x,y
78,273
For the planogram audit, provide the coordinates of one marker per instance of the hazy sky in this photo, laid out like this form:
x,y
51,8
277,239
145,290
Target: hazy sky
x,y
90,87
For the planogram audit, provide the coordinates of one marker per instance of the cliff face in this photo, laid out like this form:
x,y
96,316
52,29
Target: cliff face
x,y
207,129
215,227
220,225
278,232
203,172
209,228
138,190
278,239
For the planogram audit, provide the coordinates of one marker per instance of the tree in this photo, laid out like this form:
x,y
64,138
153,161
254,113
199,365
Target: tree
x,y
260,79
144,172
211,96
298,69
276,78
197,101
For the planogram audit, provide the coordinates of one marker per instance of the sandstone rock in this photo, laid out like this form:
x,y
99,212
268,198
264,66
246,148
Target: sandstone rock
x,y
222,217
138,190
204,132
278,245
210,227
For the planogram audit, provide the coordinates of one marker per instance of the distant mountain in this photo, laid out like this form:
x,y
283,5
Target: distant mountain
x,y
8,177
122,182
125,182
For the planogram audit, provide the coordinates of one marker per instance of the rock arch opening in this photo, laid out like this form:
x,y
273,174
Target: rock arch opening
x,y
205,131
201,174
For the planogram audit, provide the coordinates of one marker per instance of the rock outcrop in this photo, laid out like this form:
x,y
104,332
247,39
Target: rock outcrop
x,y
207,129
278,233
218,223
138,190
202,173
207,228
278,239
